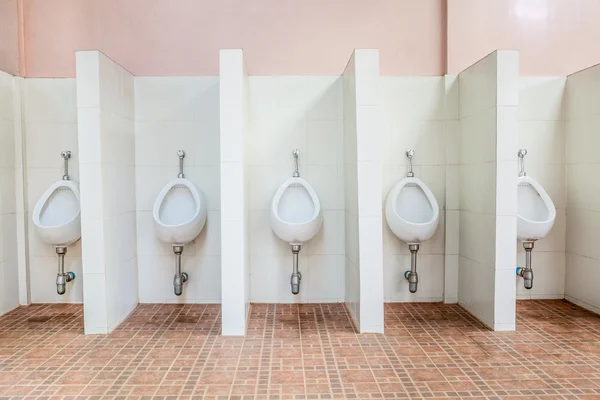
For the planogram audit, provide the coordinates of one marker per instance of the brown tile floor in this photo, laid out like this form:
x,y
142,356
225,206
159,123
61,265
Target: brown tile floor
x,y
301,352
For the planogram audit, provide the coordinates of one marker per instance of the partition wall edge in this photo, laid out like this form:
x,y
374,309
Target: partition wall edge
x,y
235,280
105,118
488,102
363,191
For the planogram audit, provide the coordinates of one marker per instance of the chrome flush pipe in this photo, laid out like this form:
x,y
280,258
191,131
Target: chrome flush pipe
x,y
527,273
522,153
181,155
62,278
180,277
409,154
66,155
296,275
411,276
296,153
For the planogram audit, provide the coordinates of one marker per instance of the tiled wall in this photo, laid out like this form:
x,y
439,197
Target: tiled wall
x,y
9,274
363,171
369,174
542,133
285,113
235,260
50,115
583,188
351,257
488,100
105,106
173,113
416,116
477,187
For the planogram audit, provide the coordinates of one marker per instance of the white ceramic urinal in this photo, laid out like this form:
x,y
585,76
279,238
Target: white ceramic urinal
x,y
179,216
412,213
535,216
296,216
57,220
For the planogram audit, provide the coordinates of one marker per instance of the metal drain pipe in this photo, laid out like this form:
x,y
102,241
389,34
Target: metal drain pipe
x,y
296,275
411,276
62,278
527,273
180,277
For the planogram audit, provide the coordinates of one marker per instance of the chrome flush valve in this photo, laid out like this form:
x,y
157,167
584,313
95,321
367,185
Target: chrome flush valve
x,y
181,155
296,153
66,155
522,153
409,154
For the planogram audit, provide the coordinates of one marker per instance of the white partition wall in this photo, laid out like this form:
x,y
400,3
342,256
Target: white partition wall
x,y
49,114
488,101
175,113
542,134
420,113
235,263
105,109
363,191
583,188
9,269
287,113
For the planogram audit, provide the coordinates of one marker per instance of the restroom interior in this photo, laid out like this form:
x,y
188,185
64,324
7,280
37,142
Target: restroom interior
x,y
328,84
164,114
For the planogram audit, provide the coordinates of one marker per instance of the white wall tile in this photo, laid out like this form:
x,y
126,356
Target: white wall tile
x,y
287,113
50,127
421,115
109,229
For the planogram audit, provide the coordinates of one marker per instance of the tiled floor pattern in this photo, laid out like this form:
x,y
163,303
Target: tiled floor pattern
x,y
306,351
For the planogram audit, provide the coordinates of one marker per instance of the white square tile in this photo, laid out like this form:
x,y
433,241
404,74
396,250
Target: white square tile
x,y
505,297
321,282
95,313
93,246
232,189
508,78
369,189
88,78
232,133
507,133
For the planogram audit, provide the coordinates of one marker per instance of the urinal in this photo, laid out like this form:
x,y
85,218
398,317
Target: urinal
x,y
535,216
179,215
296,216
412,213
57,220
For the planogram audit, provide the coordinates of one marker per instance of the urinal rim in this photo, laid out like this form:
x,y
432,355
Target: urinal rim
x,y
196,194
46,196
311,191
395,192
545,197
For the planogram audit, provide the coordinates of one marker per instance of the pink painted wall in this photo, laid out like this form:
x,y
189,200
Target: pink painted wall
x,y
554,37
9,36
279,37
288,37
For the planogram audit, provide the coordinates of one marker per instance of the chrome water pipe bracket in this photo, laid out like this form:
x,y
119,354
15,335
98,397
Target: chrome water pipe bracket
x,y
66,155
411,276
296,153
181,155
527,272
522,153
62,277
180,277
409,154
296,275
